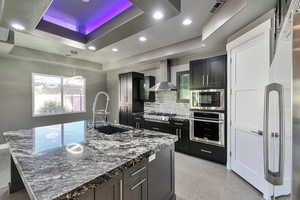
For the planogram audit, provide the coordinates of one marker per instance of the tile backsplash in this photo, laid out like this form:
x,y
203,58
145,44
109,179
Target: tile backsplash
x,y
166,103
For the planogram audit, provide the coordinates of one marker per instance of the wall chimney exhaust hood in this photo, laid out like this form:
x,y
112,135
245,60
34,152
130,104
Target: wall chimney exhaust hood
x,y
165,72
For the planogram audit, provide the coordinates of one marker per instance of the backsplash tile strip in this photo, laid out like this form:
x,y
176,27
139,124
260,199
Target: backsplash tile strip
x,y
166,103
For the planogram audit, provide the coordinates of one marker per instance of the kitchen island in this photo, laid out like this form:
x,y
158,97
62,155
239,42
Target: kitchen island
x,y
71,161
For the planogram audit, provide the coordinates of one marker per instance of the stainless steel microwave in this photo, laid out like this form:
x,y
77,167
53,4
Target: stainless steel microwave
x,y
212,99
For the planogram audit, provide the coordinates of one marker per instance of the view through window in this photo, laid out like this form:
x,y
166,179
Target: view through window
x,y
57,94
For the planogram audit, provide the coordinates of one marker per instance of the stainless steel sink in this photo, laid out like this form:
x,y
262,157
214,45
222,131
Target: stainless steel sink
x,y
109,129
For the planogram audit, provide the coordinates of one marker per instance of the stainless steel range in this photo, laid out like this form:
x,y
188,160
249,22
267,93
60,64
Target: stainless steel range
x,y
158,117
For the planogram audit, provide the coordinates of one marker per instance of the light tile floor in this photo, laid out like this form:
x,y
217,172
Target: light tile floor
x,y
196,179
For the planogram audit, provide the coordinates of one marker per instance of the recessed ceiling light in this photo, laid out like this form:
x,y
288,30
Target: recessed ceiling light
x,y
92,48
18,27
115,50
158,15
143,39
85,1
187,22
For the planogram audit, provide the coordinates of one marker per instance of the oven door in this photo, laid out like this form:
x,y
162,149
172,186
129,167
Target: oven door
x,y
208,99
208,130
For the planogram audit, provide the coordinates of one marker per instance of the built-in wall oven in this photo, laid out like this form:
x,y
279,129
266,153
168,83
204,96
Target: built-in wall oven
x,y
207,127
211,99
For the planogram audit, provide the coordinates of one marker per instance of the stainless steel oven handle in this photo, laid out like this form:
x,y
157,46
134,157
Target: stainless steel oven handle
x,y
211,121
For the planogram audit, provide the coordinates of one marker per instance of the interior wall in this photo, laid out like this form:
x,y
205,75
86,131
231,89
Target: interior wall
x,y
16,93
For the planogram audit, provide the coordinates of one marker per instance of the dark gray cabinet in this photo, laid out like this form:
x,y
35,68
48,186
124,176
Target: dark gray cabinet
x,y
208,73
181,128
149,82
161,175
136,182
131,96
109,191
137,191
89,195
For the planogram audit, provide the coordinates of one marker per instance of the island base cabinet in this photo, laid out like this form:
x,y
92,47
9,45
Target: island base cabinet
x,y
89,195
161,175
110,191
137,191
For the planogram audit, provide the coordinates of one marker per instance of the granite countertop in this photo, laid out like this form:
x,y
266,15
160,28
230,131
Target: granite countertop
x,y
52,171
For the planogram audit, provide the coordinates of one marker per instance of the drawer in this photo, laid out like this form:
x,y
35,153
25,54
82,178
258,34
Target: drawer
x,y
135,174
155,126
209,152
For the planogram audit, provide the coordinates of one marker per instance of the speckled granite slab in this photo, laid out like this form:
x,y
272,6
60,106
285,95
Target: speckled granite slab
x,y
50,170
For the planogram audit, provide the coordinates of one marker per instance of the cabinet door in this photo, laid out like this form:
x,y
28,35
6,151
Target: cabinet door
x,y
123,79
137,191
89,195
182,145
216,72
198,73
149,82
161,175
109,191
123,115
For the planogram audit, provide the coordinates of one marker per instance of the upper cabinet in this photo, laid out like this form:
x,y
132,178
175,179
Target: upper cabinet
x,y
208,73
131,96
149,82
183,86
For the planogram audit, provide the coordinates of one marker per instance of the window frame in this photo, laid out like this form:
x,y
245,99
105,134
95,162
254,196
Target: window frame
x,y
178,75
62,95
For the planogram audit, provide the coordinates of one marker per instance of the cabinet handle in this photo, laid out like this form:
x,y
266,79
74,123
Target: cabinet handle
x,y
207,80
121,189
205,151
180,133
203,80
138,184
154,128
138,171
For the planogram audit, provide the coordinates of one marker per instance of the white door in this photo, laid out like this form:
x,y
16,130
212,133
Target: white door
x,y
249,74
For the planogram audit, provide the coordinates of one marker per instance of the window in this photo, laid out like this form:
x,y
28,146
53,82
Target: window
x,y
183,87
57,95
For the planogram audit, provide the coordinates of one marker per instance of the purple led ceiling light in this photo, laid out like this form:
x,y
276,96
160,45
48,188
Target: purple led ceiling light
x,y
84,17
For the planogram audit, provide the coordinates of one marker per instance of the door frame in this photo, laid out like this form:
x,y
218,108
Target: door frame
x,y
265,29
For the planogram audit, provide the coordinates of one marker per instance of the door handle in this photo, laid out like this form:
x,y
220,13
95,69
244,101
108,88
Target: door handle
x,y
258,132
275,178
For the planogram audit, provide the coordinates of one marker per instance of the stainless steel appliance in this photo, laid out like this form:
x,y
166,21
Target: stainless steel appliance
x,y
212,99
208,127
281,116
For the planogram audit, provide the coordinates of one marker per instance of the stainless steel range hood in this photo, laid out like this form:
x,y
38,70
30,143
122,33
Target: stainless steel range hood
x,y
164,84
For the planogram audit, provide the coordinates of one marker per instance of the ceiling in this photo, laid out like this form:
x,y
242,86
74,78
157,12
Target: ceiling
x,y
163,35
93,13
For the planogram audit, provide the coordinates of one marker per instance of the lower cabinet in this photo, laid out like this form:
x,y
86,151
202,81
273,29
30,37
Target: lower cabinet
x,y
151,179
135,182
183,143
209,152
109,191
161,175
89,195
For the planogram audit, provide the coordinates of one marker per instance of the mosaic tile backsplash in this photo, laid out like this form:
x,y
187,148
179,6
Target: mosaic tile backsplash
x,y
166,103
